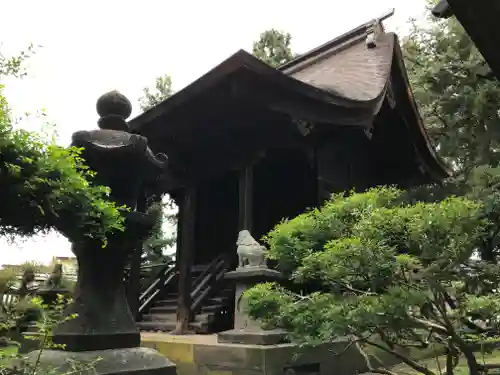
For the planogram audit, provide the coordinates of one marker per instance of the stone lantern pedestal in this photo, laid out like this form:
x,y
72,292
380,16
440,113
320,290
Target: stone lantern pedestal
x,y
246,330
102,335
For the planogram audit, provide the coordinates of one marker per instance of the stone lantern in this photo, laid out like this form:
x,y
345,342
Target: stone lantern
x,y
104,326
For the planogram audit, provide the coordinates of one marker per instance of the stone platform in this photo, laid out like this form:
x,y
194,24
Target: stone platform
x,y
204,355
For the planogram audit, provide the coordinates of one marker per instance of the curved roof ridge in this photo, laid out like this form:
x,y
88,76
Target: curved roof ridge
x,y
337,41
351,69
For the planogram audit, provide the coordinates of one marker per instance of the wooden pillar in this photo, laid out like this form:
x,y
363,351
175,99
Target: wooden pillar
x,y
184,257
246,199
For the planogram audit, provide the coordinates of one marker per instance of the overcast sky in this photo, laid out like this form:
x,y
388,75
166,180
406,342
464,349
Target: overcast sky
x,y
91,47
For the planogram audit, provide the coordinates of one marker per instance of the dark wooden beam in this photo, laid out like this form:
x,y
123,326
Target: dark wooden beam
x,y
246,198
185,255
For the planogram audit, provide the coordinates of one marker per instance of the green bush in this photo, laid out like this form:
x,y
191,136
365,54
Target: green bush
x,y
392,275
7,280
291,241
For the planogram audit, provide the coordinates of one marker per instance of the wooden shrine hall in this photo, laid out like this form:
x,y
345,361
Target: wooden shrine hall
x,y
257,144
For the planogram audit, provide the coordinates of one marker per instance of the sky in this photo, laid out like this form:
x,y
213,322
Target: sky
x,y
89,48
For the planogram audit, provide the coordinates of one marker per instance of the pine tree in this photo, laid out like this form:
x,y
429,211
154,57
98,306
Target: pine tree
x,y
273,47
460,109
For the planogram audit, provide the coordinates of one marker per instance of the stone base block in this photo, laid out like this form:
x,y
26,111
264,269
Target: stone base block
x,y
257,337
206,355
134,361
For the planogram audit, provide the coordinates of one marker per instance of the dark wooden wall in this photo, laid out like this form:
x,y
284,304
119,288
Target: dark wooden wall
x,y
216,227
345,161
284,186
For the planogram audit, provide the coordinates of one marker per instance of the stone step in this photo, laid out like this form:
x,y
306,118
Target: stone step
x,y
166,302
31,328
164,308
210,308
216,301
173,308
196,327
158,316
209,301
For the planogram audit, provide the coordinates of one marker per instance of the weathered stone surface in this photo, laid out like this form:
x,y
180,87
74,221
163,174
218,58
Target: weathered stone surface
x,y
114,103
279,357
103,319
134,361
228,357
177,352
258,337
250,252
189,369
245,278
243,359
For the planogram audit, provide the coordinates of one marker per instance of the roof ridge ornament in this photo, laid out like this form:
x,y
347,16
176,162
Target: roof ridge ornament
x,y
376,29
373,33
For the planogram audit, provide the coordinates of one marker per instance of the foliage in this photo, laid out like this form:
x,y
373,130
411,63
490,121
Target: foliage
x,y
273,47
44,186
461,110
162,91
157,243
387,274
293,240
7,280
11,360
14,66
481,184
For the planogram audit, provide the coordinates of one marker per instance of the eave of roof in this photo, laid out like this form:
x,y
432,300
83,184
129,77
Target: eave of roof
x,y
242,60
239,61
426,151
480,20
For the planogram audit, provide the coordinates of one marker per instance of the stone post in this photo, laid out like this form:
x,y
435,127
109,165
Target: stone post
x,y
252,270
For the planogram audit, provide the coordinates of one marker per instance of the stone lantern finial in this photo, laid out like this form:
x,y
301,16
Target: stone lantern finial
x,y
113,108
